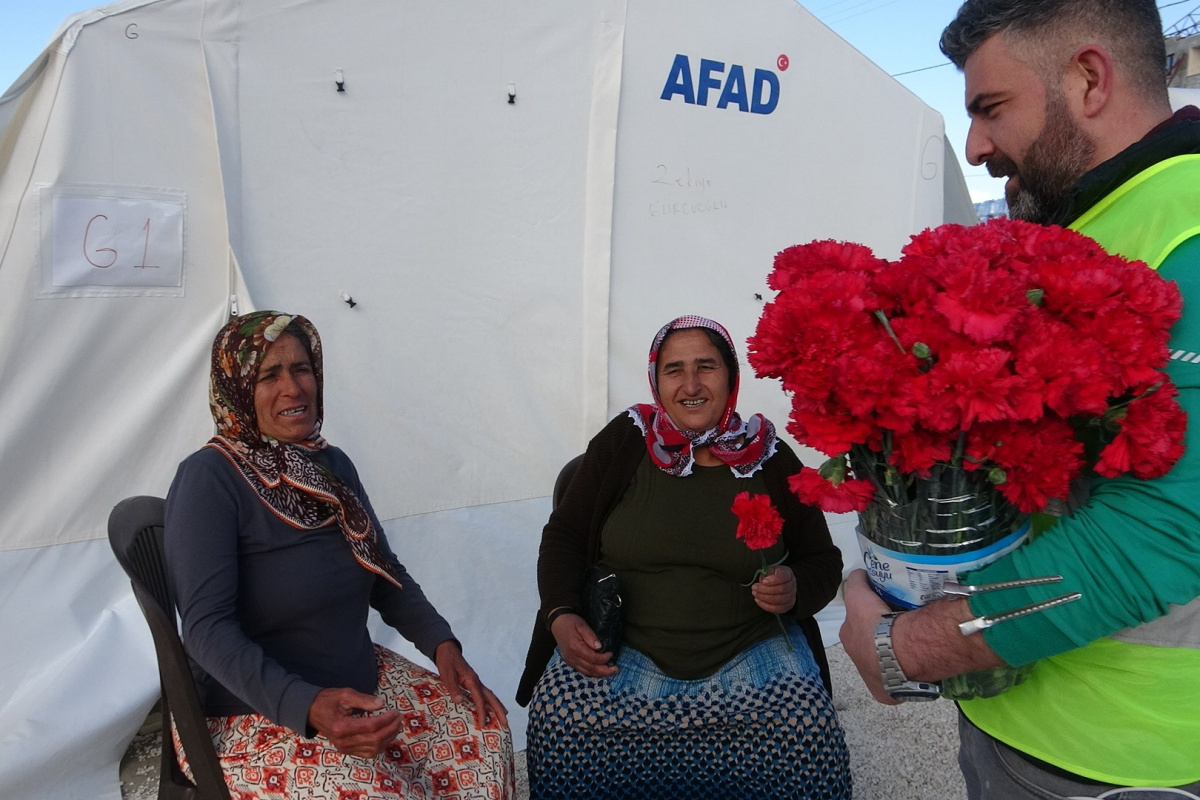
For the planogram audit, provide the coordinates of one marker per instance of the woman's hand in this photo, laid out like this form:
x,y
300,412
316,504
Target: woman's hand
x,y
776,591
580,647
338,715
464,685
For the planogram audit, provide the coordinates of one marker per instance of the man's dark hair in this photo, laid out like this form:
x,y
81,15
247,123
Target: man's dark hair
x,y
1131,30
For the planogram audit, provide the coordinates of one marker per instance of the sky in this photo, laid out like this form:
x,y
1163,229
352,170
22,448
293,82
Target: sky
x,y
900,36
25,29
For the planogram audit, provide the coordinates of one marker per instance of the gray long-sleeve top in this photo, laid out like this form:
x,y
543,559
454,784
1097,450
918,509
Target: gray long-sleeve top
x,y
273,614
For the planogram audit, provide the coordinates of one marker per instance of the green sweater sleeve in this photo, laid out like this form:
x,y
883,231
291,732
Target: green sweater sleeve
x,y
1133,548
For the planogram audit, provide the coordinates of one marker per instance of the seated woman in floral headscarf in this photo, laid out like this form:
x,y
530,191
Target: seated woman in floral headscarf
x,y
707,697
276,556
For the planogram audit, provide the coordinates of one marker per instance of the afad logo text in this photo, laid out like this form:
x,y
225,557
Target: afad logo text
x,y
730,88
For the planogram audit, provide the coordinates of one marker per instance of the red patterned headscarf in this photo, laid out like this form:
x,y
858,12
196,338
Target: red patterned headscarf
x,y
743,446
285,478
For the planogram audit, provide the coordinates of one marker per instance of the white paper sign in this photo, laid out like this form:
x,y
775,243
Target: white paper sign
x,y
96,240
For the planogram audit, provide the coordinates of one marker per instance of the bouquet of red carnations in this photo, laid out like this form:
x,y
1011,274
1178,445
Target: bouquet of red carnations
x,y
963,387
1023,353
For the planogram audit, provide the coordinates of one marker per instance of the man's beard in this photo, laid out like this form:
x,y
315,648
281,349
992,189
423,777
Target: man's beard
x,y
1058,157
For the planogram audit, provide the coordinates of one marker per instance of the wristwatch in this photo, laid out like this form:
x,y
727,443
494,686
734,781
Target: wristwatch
x,y
895,682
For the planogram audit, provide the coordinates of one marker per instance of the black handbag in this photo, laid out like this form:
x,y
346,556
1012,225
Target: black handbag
x,y
602,607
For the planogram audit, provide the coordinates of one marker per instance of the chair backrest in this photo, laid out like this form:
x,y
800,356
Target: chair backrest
x,y
135,531
564,478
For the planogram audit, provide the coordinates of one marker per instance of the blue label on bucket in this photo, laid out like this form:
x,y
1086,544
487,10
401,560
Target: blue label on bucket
x,y
908,580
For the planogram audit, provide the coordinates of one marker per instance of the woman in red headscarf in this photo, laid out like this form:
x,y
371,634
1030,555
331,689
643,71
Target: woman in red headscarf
x,y
706,696
275,557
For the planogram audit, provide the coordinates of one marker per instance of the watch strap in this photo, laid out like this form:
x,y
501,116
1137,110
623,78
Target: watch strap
x,y
895,682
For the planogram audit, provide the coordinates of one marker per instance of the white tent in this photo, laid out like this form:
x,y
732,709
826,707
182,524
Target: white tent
x,y
515,195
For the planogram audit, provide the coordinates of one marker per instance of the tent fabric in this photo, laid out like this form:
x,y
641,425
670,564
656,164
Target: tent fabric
x,y
77,672
165,163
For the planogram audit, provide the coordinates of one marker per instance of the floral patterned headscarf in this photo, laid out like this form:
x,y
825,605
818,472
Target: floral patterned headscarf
x,y
742,446
284,477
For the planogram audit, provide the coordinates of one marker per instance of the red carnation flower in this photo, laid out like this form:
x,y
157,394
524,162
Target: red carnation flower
x,y
918,450
798,263
1039,459
983,387
1151,437
829,432
1071,376
848,495
759,524
986,348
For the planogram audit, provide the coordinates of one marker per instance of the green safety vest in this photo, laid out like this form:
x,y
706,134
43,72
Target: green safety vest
x,y
1111,710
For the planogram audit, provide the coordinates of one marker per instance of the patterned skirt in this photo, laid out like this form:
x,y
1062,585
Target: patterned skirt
x,y
761,727
441,752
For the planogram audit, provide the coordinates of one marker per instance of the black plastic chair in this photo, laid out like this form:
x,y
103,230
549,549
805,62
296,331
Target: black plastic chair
x,y
135,531
564,478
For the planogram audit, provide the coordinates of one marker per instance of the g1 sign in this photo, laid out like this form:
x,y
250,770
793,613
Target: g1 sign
x,y
98,241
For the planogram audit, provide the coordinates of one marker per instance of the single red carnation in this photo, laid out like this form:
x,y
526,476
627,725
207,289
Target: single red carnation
x,y
798,340
831,433
918,450
981,300
877,385
984,387
928,328
1078,289
1071,375
1147,293
849,495
1134,344
1151,437
800,262
904,284
938,404
934,242
759,524
1039,458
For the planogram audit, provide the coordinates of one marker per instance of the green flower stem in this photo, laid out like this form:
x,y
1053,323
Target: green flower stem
x,y
887,326
762,572
787,639
959,448
872,466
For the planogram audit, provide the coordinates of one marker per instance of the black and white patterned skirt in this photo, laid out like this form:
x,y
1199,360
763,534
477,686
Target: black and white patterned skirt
x,y
761,727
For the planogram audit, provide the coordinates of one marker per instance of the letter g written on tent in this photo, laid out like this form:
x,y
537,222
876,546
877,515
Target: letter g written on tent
x,y
728,87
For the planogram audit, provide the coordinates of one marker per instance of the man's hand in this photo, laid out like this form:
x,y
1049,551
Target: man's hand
x,y
775,592
864,608
464,686
580,647
927,642
338,715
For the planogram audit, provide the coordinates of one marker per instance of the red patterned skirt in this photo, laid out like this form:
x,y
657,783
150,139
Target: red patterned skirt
x,y
441,752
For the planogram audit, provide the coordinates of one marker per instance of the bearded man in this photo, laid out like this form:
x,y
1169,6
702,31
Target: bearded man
x,y
1068,100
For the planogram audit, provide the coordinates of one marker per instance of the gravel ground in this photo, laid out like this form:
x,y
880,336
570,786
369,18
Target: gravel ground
x,y
904,752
